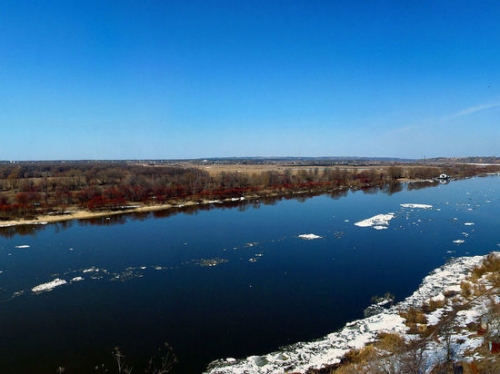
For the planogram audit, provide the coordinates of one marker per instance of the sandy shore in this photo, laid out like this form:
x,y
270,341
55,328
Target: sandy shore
x,y
85,214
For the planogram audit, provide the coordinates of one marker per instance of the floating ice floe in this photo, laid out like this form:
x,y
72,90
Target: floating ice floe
x,y
22,246
256,257
90,270
469,223
378,222
309,236
49,285
459,241
77,279
417,206
210,262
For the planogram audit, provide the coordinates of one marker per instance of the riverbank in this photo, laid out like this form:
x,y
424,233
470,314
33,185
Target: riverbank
x,y
448,331
78,214
75,213
94,189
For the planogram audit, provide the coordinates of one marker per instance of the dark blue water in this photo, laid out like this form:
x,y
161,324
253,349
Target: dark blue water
x,y
147,279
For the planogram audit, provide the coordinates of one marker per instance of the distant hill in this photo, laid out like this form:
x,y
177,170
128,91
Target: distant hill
x,y
464,160
269,160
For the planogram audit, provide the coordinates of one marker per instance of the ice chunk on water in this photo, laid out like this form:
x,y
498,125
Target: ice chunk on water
x,y
309,236
378,221
417,206
49,285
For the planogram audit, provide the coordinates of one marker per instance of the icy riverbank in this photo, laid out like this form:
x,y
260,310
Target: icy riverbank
x,y
329,350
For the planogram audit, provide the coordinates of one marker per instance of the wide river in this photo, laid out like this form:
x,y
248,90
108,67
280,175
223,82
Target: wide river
x,y
225,281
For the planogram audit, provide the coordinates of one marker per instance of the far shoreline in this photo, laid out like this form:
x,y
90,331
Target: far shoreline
x,y
81,214
75,213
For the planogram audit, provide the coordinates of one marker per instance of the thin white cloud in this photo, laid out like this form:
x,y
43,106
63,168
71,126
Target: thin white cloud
x,y
472,110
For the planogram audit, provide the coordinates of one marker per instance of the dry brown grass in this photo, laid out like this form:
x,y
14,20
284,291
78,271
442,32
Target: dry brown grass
x,y
466,289
294,169
433,304
356,356
390,342
414,315
491,264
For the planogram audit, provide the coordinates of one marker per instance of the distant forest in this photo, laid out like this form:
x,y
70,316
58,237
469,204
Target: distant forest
x,y
29,189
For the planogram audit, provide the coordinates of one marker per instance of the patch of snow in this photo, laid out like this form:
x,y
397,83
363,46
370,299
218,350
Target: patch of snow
x,y
49,285
417,206
376,221
237,199
309,236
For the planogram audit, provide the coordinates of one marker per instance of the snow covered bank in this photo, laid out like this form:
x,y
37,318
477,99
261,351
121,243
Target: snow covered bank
x,y
302,356
330,349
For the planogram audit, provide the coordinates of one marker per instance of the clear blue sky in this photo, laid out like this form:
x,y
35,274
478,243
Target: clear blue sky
x,y
104,79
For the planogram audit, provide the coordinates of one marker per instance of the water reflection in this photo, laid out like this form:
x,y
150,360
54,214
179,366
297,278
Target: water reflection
x,y
24,230
104,221
392,188
241,205
422,184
